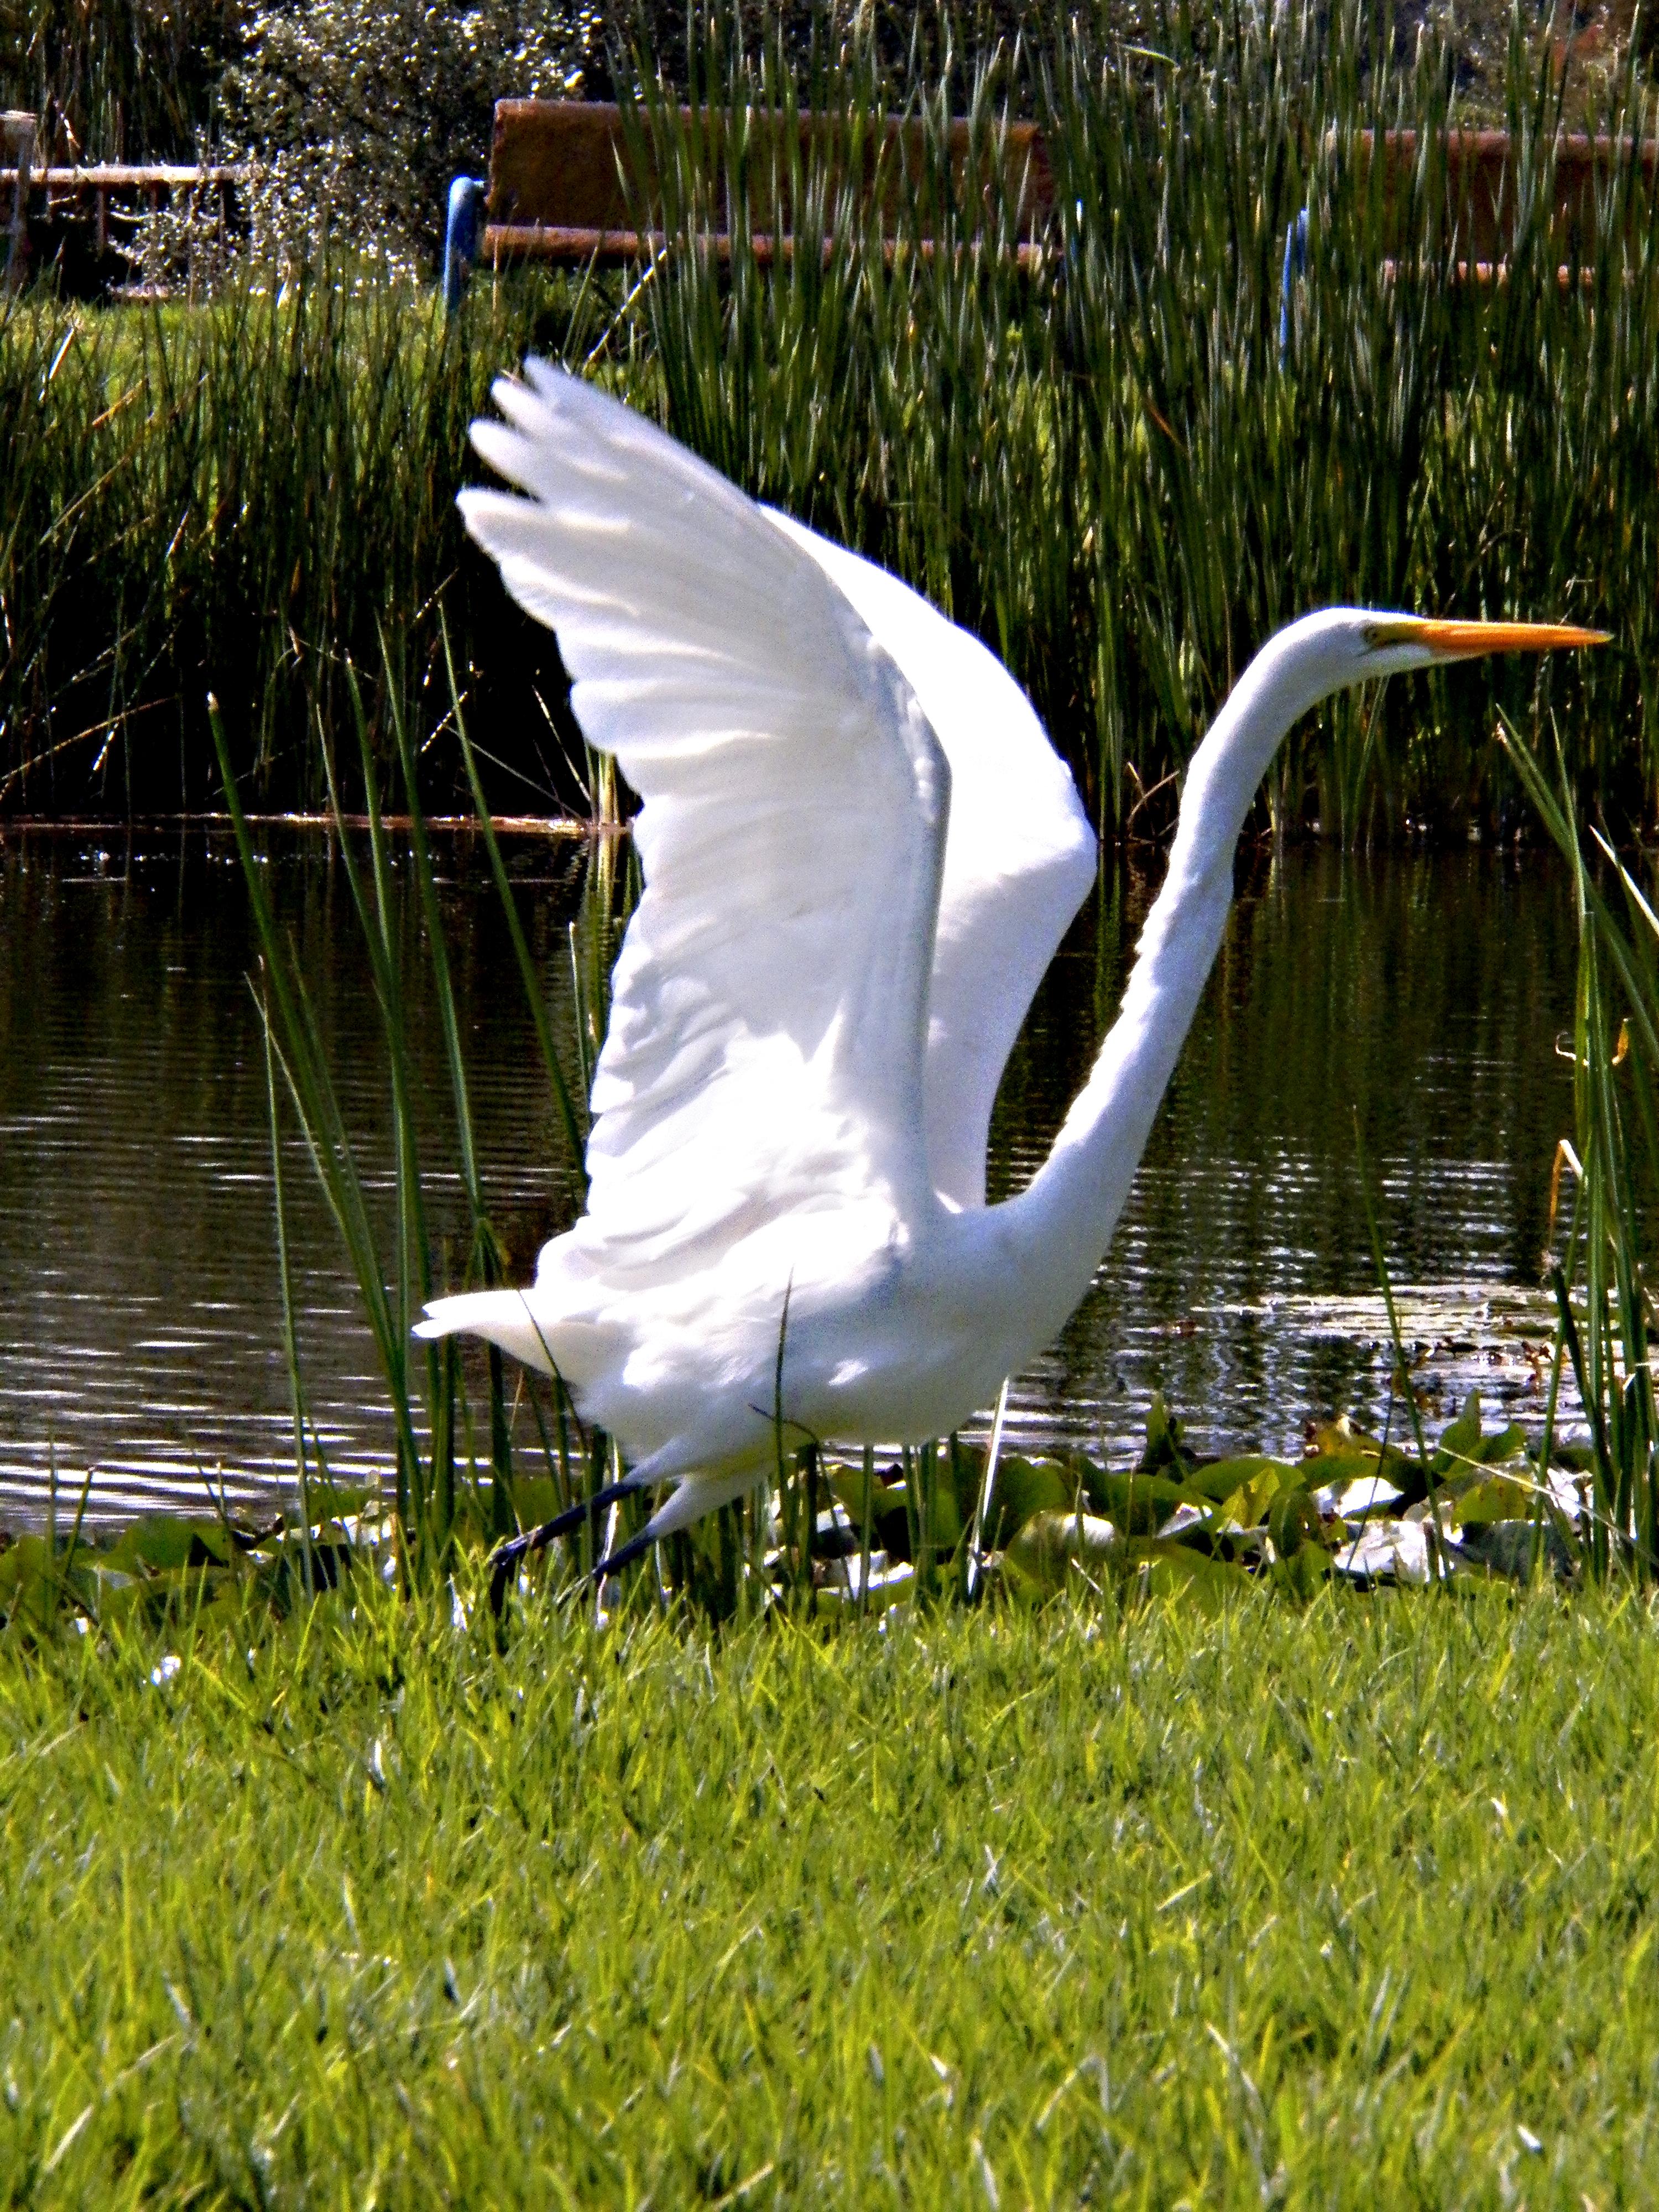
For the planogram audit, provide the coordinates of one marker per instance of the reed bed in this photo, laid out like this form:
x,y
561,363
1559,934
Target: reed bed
x,y
1604,1281
242,498
1105,463
1114,469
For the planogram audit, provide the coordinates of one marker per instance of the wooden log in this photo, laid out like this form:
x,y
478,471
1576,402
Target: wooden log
x,y
131,176
571,246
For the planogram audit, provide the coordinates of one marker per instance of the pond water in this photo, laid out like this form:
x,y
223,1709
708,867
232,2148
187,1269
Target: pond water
x,y
140,1307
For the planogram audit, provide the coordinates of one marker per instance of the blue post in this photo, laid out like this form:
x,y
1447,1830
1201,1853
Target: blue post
x,y
1296,261
466,199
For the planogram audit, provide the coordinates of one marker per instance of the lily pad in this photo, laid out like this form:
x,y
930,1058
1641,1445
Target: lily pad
x,y
1293,1521
166,1542
1463,1448
1165,1569
1163,1452
1499,1497
1339,1453
1047,1546
1224,1478
1026,1487
1137,1504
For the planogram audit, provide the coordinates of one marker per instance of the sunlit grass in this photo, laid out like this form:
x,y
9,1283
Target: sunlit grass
x,y
1147,1905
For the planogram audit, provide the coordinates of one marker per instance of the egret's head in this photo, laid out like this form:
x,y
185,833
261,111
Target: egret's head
x,y
1336,646
1394,643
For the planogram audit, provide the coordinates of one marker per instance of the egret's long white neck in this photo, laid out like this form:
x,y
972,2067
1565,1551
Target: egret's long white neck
x,y
1060,1226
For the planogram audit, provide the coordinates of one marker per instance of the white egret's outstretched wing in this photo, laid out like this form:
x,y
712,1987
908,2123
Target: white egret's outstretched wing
x,y
1020,862
769,1009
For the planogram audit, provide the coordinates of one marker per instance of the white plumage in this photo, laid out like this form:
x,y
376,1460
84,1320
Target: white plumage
x,y
860,853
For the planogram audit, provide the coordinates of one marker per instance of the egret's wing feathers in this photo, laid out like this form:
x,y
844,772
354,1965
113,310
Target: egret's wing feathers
x,y
769,1001
1020,862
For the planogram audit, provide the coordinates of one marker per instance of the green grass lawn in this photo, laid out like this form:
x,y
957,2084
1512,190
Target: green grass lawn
x,y
1005,1907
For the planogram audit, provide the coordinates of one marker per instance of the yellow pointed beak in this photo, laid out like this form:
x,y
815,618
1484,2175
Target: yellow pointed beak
x,y
1467,641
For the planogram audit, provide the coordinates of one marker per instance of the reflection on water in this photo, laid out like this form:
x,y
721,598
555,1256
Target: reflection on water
x,y
140,1318
1421,997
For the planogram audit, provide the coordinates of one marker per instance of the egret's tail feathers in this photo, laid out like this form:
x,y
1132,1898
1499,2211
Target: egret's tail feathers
x,y
503,1318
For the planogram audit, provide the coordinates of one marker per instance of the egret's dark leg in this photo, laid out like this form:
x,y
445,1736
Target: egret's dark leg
x,y
623,1556
506,1557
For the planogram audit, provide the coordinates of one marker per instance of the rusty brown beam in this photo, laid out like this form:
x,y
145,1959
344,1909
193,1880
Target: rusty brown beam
x,y
562,185
1480,174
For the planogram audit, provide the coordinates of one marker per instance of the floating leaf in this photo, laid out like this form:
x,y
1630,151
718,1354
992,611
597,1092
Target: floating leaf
x,y
1137,1504
1340,1440
166,1541
31,1579
1339,1453
847,1488
1508,1444
890,1510
1460,1442
1224,1479
1293,1521
1499,1497
338,1501
1162,1568
1162,1448
1463,1449
1025,1487
1050,1544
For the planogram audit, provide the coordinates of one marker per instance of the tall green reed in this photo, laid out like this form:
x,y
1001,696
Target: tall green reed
x,y
893,390
244,498
1604,1281
1105,464
119,82
435,1450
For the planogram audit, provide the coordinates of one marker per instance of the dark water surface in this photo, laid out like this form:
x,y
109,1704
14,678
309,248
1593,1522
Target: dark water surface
x,y
140,1312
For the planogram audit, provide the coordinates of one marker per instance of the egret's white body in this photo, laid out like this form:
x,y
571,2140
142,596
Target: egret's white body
x,y
860,853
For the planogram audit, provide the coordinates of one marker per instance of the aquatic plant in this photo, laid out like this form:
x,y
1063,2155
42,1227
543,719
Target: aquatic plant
x,y
1603,1277
438,1458
1110,466
112,81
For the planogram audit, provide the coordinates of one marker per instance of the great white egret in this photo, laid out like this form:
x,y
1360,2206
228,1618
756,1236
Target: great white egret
x,y
860,853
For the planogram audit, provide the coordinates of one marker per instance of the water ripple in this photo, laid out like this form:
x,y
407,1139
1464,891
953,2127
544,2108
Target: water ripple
x,y
140,1314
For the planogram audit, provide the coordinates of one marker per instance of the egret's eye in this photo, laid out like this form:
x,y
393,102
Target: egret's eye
x,y
1380,635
